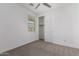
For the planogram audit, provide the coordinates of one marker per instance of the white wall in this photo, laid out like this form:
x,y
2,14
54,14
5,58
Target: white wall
x,y
13,27
62,25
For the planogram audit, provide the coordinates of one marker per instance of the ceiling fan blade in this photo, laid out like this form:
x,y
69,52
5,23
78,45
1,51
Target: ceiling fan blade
x,y
31,4
37,6
46,4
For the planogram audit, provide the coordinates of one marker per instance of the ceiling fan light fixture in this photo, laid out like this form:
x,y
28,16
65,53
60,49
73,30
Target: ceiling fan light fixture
x,y
36,5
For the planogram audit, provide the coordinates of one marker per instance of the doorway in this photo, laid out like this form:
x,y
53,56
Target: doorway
x,y
41,28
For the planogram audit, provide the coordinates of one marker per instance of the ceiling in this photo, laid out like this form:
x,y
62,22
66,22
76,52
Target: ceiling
x,y
41,9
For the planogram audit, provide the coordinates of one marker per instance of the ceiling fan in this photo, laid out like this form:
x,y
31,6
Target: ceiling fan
x,y
46,4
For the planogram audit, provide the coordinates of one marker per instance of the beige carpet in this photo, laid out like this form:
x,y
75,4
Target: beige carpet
x,y
41,48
